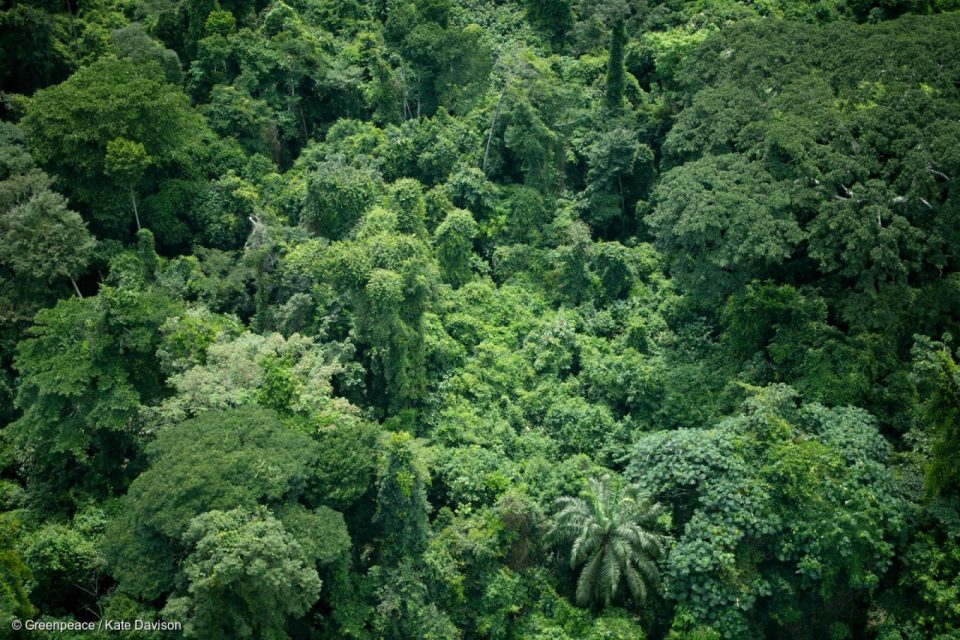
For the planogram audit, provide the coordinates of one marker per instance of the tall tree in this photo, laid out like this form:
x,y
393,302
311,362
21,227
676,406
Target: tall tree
x,y
71,127
247,575
402,507
85,369
453,240
615,70
240,458
41,237
390,278
126,162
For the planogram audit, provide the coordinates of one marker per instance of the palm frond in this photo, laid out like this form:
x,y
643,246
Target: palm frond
x,y
611,528
587,583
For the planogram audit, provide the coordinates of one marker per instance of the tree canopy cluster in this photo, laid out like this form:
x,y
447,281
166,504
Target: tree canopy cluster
x,y
494,319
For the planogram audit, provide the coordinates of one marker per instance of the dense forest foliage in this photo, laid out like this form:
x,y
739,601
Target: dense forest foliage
x,y
500,319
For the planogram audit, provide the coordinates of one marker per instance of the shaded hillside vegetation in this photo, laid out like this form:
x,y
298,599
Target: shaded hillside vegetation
x,y
501,319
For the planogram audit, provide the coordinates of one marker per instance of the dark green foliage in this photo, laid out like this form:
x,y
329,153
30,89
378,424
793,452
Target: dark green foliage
x,y
247,559
85,369
223,212
723,221
454,243
940,378
135,43
33,51
44,247
799,498
930,578
448,63
220,461
615,70
404,610
555,18
389,277
67,563
111,104
619,172
347,466
402,507
337,197
42,238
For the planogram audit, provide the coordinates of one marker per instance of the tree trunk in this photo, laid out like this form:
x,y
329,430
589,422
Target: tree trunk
x,y
493,125
136,214
623,201
73,23
303,124
76,289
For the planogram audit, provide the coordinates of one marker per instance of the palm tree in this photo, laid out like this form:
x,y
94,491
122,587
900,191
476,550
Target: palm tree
x,y
611,528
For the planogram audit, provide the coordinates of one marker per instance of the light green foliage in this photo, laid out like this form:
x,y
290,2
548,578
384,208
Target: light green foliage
x,y
405,199
44,245
685,627
186,338
125,161
527,215
14,573
613,540
291,375
581,427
